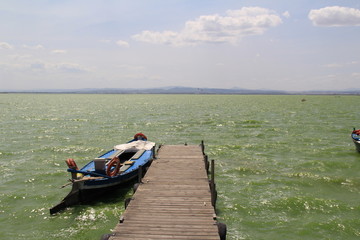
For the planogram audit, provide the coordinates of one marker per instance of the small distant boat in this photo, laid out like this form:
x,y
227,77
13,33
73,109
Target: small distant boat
x,y
110,170
355,135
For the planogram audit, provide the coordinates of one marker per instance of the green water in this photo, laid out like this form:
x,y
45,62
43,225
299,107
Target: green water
x,y
285,169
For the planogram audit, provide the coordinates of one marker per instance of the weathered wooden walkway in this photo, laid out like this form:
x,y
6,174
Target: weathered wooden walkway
x,y
173,201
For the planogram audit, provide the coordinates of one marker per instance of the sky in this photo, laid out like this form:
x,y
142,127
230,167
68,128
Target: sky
x,y
295,45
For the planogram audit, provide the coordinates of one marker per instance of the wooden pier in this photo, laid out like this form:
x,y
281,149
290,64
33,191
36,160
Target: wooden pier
x,y
174,200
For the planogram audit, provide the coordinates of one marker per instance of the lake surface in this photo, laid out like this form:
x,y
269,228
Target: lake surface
x,y
285,168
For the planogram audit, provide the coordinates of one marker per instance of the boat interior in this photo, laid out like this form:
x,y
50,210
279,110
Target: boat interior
x,y
126,157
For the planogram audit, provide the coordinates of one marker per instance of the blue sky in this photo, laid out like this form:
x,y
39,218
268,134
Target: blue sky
x,y
279,44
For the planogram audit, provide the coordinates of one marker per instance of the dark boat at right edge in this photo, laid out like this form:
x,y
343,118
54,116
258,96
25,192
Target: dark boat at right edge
x,y
355,135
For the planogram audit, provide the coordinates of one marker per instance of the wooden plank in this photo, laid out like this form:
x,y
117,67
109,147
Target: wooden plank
x,y
149,237
174,200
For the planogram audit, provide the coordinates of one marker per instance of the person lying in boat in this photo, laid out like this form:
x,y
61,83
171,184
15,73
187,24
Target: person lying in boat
x,y
140,142
357,132
139,136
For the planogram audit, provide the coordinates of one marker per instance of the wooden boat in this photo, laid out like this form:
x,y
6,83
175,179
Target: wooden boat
x,y
355,135
116,167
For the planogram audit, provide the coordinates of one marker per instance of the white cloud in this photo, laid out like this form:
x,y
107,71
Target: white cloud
x,y
59,51
355,74
230,28
340,65
34,47
335,16
5,45
70,68
122,43
333,65
286,14
44,67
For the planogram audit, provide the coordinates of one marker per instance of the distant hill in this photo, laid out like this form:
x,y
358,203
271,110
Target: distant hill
x,y
179,90
182,90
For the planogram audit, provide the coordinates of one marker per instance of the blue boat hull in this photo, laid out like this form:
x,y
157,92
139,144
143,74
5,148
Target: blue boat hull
x,y
143,161
89,190
89,182
356,141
